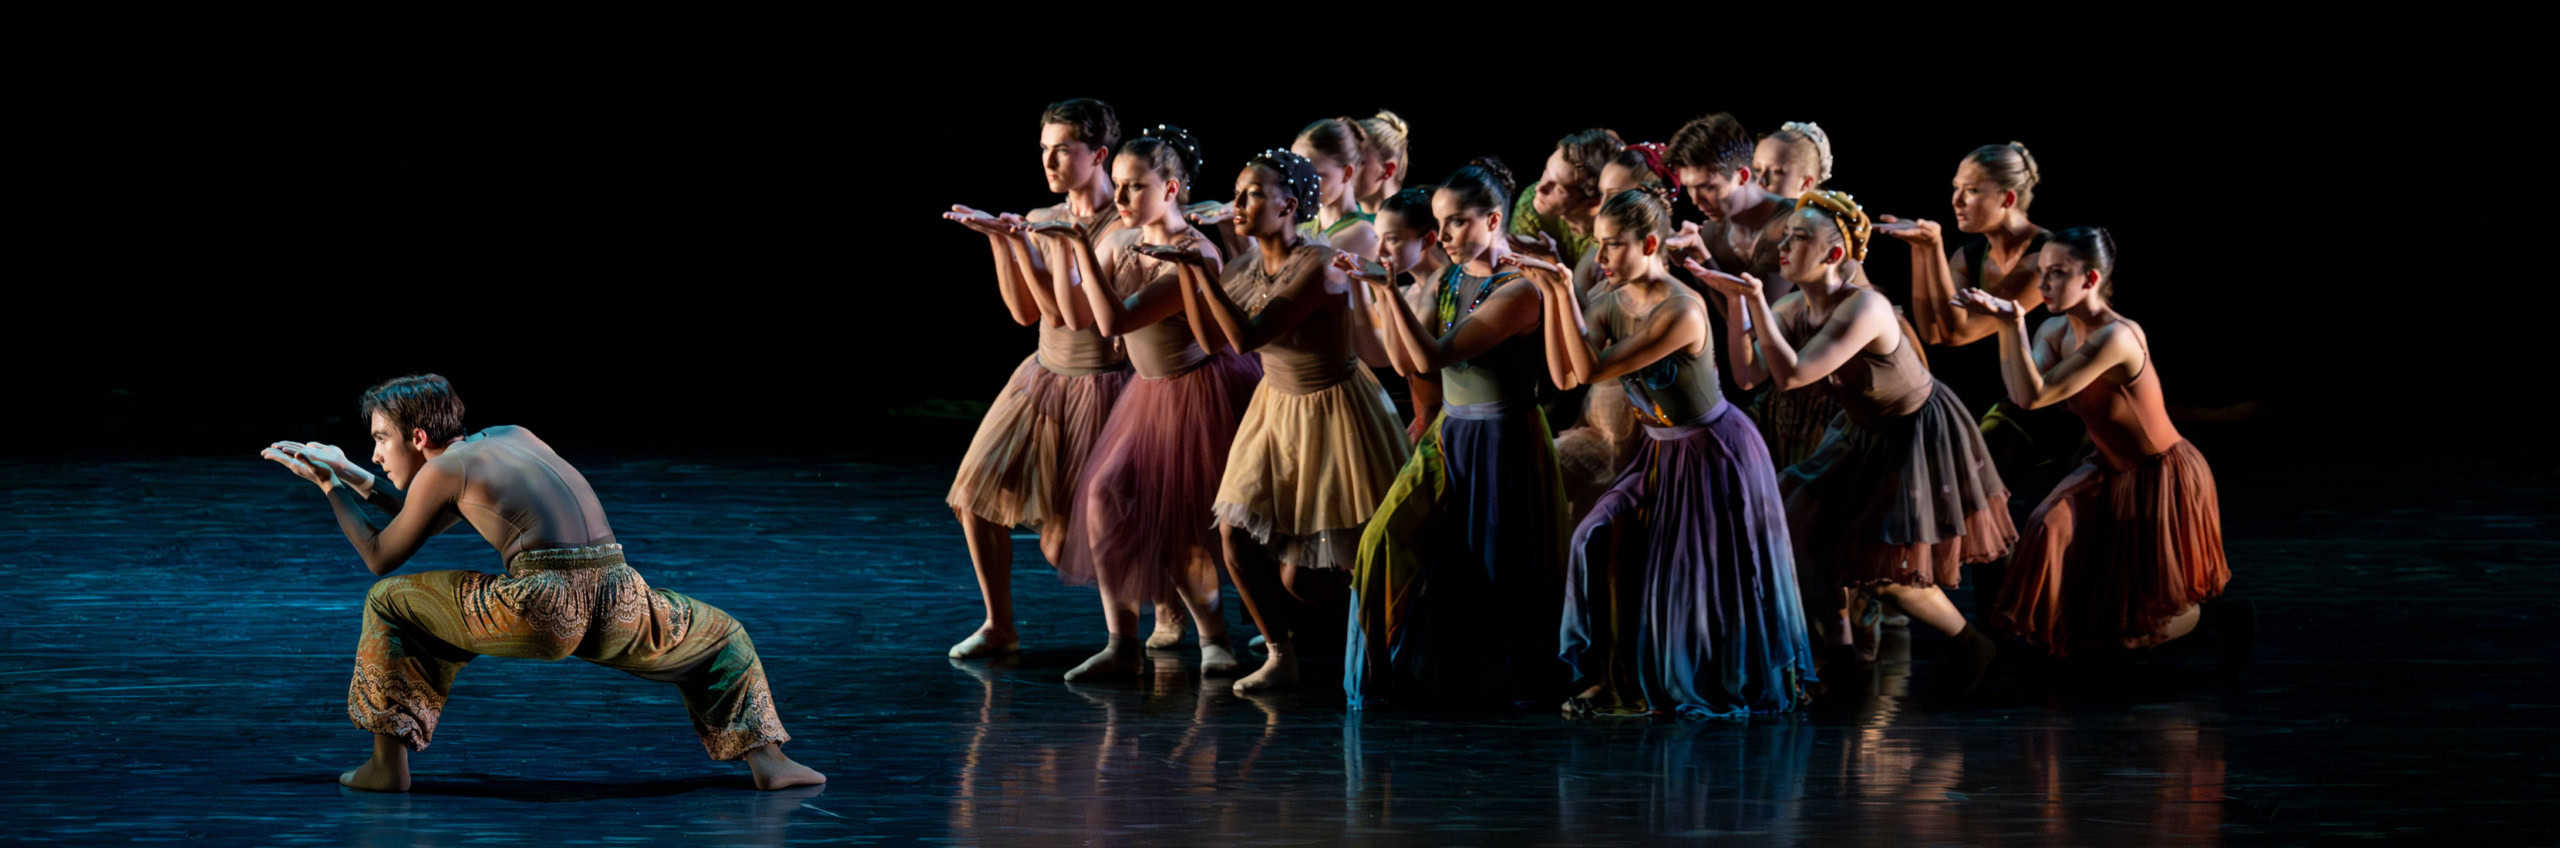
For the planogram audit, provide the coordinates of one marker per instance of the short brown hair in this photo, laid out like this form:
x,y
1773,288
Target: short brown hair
x,y
421,402
1588,151
1096,125
1716,142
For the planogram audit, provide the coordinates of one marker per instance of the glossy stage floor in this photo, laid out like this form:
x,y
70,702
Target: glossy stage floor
x,y
175,651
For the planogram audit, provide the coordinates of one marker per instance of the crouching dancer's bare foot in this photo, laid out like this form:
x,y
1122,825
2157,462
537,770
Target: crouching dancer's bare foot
x,y
388,771
773,770
989,641
1279,671
1121,658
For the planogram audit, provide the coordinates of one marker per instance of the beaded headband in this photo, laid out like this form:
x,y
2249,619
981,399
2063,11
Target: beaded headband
x,y
1299,173
1812,132
1844,211
1182,140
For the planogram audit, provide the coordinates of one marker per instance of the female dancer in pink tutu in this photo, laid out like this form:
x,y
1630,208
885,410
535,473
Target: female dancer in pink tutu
x,y
1141,525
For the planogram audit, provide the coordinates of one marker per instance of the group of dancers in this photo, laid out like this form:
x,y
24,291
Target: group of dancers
x,y
1203,400
1713,533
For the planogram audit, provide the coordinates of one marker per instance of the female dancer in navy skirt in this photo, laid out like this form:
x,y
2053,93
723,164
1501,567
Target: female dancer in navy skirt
x,y
1468,546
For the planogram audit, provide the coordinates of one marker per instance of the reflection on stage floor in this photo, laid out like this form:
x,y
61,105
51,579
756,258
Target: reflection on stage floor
x,y
174,658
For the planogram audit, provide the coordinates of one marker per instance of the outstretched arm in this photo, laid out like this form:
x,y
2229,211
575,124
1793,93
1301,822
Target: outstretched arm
x,y
1870,316
1509,312
1186,282
433,493
1669,330
2038,373
1073,264
1301,295
1033,273
1017,302
2018,287
1561,327
1370,289
1933,289
1197,271
1155,301
1379,319
1219,216
429,509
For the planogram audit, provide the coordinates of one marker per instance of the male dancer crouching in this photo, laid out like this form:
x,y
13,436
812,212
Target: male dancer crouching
x,y
567,591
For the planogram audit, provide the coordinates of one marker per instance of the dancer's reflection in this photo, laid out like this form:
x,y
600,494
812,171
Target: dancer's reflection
x,y
1885,757
1097,771
1687,778
2085,778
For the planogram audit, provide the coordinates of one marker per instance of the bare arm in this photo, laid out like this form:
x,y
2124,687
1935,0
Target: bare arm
x,y
1869,317
1017,302
2019,287
1509,312
1962,326
1306,291
2034,387
1562,328
1379,327
1559,339
1188,279
1365,339
1071,258
1220,216
1157,300
1371,286
430,506
1033,275
1680,326
1426,403
1933,289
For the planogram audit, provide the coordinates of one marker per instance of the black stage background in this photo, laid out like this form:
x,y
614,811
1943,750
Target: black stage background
x,y
737,251
707,266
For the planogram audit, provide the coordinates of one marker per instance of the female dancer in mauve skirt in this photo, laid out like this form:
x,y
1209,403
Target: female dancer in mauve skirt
x,y
1901,494
1681,592
1141,524
2127,550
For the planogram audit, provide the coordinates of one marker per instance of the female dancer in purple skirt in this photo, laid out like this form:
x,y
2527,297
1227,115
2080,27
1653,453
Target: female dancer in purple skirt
x,y
1680,595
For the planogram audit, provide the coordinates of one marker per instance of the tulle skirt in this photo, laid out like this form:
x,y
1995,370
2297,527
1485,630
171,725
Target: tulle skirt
x,y
1908,500
1308,470
1142,511
1021,468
